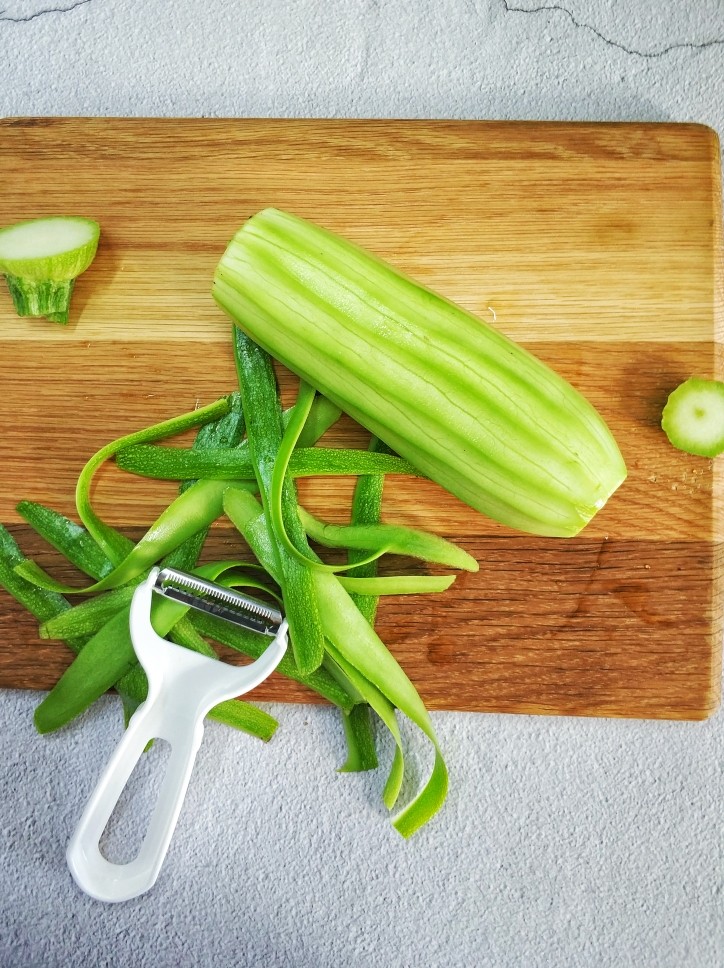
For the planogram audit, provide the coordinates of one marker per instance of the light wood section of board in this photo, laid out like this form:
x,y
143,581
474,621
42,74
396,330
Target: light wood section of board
x,y
598,246
554,231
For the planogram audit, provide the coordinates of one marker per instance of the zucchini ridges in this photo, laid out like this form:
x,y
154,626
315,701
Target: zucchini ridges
x,y
456,398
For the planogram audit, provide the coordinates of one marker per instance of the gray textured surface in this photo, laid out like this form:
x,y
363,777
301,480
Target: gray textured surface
x,y
565,842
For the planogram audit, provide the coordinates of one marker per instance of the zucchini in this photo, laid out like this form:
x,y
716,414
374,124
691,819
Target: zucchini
x,y
453,396
41,259
693,418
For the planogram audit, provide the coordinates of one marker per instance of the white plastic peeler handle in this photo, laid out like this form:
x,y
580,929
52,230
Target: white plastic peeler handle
x,y
182,687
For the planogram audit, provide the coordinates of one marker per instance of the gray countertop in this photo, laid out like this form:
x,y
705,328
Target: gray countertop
x,y
565,842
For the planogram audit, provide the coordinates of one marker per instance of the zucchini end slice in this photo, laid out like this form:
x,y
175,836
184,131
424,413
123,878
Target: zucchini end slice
x,y
693,418
41,259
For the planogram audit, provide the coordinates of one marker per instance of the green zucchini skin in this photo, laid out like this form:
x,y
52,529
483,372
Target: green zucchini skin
x,y
464,404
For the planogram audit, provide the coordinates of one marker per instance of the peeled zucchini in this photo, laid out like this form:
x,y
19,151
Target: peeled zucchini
x,y
468,407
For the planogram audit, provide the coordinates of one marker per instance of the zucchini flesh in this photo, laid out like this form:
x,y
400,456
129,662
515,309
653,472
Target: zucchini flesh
x,y
465,405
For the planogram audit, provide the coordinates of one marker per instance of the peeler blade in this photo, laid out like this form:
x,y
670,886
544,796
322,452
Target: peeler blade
x,y
226,603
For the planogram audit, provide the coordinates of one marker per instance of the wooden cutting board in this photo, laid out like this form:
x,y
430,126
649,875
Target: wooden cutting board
x,y
597,246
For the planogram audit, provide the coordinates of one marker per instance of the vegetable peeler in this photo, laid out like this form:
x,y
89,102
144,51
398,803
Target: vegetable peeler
x,y
182,687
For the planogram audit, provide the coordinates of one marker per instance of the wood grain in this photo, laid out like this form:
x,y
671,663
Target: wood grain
x,y
598,246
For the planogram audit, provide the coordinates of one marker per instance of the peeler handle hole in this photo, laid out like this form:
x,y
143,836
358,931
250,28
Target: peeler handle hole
x,y
124,833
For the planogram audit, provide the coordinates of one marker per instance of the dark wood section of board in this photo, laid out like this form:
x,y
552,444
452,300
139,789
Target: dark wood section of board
x,y
522,635
625,620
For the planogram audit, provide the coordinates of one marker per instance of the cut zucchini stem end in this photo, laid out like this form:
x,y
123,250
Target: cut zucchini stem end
x,y
42,258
